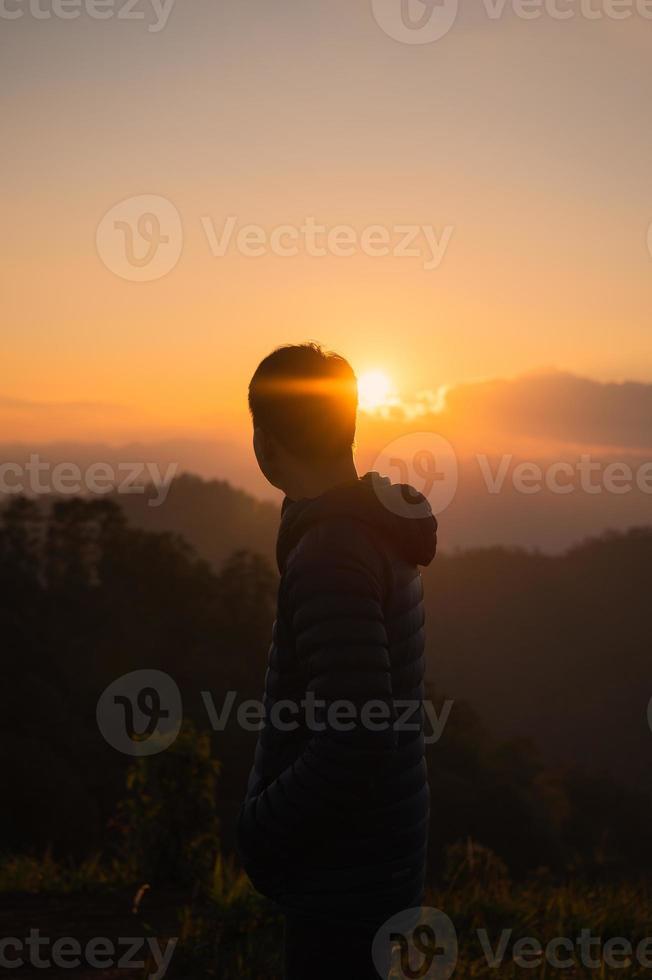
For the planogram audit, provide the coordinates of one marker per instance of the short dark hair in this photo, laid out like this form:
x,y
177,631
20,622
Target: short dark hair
x,y
307,399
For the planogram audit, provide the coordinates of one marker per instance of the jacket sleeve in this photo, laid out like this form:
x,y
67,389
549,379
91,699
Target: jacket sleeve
x,y
335,586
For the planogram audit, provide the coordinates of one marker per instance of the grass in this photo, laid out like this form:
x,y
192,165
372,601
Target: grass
x,y
231,933
45,875
237,936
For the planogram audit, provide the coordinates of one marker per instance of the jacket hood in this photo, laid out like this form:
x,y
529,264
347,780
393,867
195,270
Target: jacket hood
x,y
398,512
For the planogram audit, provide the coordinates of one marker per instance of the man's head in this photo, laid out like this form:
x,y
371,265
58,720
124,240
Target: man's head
x,y
303,403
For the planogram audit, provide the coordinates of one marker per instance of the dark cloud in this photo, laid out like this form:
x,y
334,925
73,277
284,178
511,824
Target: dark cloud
x,y
556,406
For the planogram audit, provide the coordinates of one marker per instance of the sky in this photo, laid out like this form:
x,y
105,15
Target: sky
x,y
515,154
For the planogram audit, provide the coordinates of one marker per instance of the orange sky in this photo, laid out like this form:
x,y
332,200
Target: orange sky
x,y
529,140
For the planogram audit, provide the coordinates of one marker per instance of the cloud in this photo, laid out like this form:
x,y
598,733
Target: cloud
x,y
551,406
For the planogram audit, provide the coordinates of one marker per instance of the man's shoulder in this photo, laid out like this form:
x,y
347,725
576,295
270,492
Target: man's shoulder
x,y
344,541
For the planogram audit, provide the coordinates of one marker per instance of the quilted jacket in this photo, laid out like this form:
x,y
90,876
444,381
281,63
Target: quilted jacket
x,y
335,819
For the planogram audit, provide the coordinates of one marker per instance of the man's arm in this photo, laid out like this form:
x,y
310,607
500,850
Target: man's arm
x,y
335,598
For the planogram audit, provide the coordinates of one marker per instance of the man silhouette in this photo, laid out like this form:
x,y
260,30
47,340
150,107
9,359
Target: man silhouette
x,y
334,823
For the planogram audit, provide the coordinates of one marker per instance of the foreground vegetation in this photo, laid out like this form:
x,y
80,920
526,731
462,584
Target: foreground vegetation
x,y
165,878
226,931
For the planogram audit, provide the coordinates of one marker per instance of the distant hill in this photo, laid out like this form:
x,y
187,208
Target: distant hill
x,y
496,502
554,647
214,517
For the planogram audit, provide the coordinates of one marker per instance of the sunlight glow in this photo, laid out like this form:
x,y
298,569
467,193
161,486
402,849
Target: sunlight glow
x,y
375,390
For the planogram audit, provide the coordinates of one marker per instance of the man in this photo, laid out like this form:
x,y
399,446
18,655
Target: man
x,y
334,824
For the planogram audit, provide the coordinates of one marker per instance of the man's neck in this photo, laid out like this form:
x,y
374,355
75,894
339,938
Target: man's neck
x,y
319,479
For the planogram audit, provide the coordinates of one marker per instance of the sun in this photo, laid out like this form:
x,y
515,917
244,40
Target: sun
x,y
375,390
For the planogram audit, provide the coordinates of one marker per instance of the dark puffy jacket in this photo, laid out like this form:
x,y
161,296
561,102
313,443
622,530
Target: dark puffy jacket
x,y
335,822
